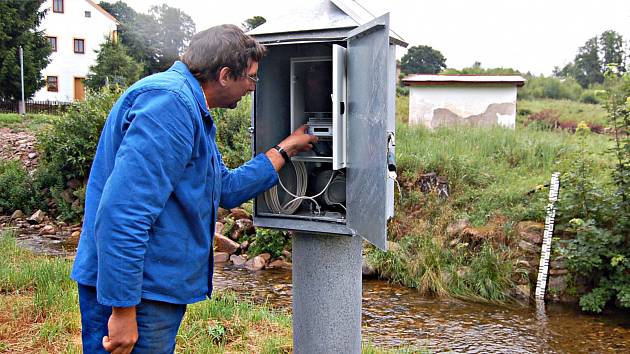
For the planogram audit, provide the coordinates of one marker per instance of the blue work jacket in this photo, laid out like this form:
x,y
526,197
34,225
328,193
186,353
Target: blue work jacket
x,y
152,197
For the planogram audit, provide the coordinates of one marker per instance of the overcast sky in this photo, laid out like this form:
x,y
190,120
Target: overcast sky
x,y
527,35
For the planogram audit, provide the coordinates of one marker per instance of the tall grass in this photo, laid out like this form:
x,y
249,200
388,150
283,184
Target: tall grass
x,y
567,110
496,178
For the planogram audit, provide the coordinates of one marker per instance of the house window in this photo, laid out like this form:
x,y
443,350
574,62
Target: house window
x,y
52,83
53,43
88,13
57,6
79,46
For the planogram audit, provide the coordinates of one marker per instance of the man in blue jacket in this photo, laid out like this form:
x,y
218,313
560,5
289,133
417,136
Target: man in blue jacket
x,y
154,189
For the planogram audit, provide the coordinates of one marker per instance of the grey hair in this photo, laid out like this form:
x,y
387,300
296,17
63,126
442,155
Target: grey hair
x,y
218,47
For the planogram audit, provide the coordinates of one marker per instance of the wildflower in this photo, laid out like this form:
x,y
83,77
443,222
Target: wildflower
x,y
582,128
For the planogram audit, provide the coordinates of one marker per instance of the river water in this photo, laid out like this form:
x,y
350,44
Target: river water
x,y
395,316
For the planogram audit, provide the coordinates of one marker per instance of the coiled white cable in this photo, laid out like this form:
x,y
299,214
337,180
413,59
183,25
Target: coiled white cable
x,y
301,180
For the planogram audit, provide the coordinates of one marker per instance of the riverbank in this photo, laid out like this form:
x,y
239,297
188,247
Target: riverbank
x,y
39,313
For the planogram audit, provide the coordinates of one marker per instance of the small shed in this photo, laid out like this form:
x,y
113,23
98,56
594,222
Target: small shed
x,y
474,100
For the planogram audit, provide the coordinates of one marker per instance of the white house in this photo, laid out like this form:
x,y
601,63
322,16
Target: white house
x,y
75,29
438,100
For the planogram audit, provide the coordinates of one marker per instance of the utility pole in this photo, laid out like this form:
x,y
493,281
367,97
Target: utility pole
x,y
22,105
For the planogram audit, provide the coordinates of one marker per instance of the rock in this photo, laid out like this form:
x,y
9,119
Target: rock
x,y
445,276
367,270
522,291
18,214
557,284
244,245
246,225
67,196
36,218
558,271
523,264
224,244
393,246
218,227
236,233
286,253
74,237
221,257
73,184
238,261
455,229
530,231
221,214
32,155
279,264
265,256
47,230
557,263
528,247
255,264
238,213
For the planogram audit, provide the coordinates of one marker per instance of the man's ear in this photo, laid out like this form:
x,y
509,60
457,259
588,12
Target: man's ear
x,y
224,75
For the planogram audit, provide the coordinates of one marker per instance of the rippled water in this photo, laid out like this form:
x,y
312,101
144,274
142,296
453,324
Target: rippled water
x,y
395,316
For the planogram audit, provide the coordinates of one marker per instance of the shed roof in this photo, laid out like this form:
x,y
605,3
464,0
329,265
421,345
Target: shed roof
x,y
315,19
443,80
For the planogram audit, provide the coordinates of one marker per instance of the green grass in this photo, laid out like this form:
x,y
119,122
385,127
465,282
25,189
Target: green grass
x,y
31,122
567,110
40,302
496,178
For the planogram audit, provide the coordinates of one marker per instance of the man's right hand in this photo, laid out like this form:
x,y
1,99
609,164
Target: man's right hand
x,y
122,329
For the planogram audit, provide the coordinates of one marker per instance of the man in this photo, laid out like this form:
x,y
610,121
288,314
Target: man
x,y
155,186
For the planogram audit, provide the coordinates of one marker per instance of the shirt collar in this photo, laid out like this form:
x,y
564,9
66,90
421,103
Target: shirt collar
x,y
194,84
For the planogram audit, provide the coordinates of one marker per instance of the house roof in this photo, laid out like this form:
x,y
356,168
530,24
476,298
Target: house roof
x,y
315,18
443,80
107,14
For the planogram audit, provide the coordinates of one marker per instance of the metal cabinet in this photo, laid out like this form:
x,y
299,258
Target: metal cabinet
x,y
341,82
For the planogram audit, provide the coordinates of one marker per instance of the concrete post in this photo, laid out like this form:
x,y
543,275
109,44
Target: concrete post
x,y
327,290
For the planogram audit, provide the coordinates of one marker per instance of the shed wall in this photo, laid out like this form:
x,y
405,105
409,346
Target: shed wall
x,y
474,105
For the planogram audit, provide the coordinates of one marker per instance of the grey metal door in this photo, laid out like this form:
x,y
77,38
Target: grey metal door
x,y
367,112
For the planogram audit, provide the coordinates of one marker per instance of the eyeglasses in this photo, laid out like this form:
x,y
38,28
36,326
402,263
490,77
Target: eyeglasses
x,y
254,78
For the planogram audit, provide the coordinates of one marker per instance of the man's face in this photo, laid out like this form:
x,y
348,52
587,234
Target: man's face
x,y
240,86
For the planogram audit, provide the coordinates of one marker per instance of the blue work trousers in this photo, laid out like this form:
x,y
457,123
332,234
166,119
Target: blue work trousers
x,y
158,323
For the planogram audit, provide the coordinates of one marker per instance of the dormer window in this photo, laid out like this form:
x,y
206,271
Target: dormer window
x,y
88,13
58,6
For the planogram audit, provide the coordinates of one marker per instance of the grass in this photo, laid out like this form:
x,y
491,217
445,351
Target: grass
x,y
567,110
39,313
31,122
496,178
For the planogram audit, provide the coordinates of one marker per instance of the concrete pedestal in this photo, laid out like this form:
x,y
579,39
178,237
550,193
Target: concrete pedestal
x,y
327,290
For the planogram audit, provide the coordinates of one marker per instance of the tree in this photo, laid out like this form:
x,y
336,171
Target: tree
x,y
19,20
476,69
155,39
422,59
175,30
252,23
113,66
587,68
611,46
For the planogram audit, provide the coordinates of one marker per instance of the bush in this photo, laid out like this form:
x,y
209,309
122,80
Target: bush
x,y
68,146
233,136
550,87
590,97
16,188
269,241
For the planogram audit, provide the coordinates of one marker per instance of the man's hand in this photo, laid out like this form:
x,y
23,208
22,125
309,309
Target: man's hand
x,y
297,142
122,329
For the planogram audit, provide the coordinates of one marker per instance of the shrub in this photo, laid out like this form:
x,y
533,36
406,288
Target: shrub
x,y
68,146
16,188
233,136
269,241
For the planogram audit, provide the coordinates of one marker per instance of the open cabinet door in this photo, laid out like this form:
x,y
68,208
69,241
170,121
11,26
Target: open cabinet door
x,y
367,115
338,107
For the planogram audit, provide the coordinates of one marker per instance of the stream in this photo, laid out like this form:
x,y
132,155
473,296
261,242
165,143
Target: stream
x,y
396,316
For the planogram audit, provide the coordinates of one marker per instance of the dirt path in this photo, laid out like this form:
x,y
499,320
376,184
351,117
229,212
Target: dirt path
x,y
18,145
